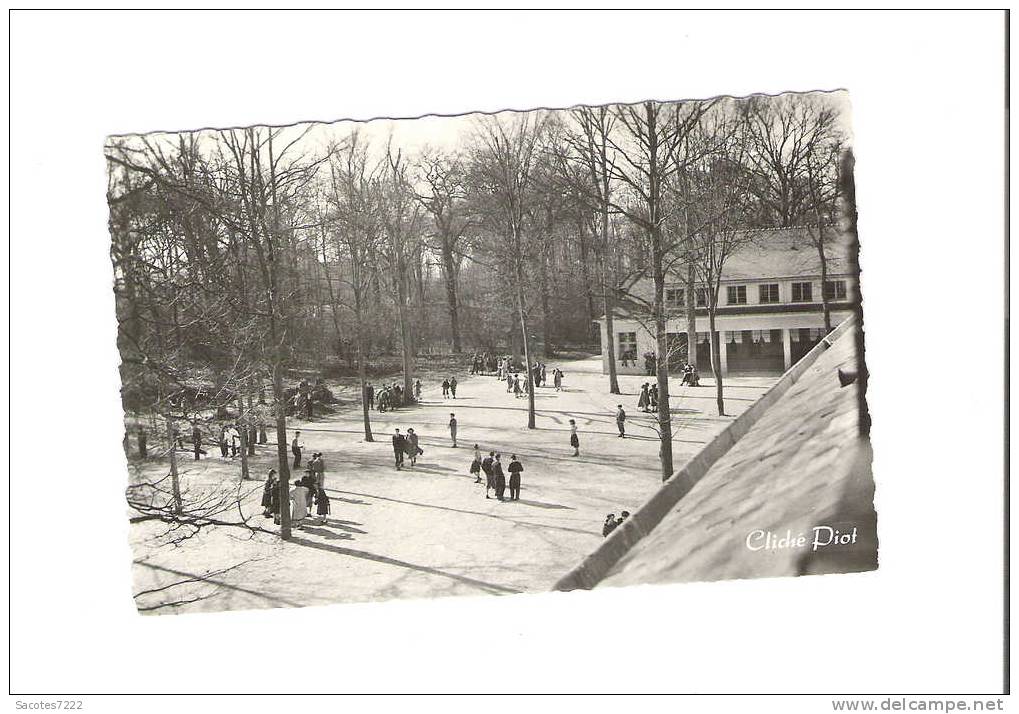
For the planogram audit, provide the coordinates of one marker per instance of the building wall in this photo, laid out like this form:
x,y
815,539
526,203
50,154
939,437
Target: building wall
x,y
724,323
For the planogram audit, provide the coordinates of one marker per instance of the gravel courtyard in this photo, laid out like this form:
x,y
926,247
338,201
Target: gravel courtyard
x,y
429,531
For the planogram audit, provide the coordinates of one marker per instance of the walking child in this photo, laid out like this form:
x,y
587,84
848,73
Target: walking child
x,y
574,439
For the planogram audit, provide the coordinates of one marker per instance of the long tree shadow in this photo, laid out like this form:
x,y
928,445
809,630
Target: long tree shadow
x,y
539,504
221,584
475,513
350,552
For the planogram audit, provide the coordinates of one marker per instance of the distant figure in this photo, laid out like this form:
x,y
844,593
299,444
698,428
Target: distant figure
x,y
417,390
271,487
298,504
621,420
295,448
543,375
516,385
452,428
574,439
196,438
515,468
609,525
644,400
509,382
452,386
487,465
412,447
653,396
224,448
369,395
399,447
235,441
500,479
318,468
323,505
557,379
445,388
690,376
143,439
476,465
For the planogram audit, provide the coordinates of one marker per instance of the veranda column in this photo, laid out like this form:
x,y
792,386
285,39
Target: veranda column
x,y
723,354
787,347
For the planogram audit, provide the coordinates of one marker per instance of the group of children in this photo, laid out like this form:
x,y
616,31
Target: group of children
x,y
308,491
611,522
495,478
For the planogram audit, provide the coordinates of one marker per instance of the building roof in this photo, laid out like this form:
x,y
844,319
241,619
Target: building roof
x,y
801,464
787,253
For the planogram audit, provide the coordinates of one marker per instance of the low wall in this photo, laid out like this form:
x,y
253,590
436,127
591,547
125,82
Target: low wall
x,y
598,564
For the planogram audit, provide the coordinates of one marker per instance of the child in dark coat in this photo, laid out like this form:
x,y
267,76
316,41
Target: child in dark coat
x,y
323,506
271,488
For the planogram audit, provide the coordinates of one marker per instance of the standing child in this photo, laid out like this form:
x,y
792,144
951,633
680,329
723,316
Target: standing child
x,y
500,479
452,386
452,428
271,487
298,504
574,439
417,390
515,468
445,388
323,506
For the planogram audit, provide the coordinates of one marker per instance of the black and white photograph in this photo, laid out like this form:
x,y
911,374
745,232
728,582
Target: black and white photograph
x,y
491,353
508,358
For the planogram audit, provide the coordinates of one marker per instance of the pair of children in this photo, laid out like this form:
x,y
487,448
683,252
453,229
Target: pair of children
x,y
300,503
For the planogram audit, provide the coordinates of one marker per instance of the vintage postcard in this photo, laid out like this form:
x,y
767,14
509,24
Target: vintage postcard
x,y
491,353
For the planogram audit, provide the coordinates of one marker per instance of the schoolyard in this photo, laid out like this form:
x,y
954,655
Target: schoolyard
x,y
429,531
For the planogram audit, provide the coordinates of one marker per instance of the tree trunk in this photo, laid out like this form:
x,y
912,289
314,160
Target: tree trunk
x,y
405,339
178,504
546,322
362,370
825,308
281,450
608,299
658,272
691,316
242,427
585,271
716,359
449,272
662,364
517,261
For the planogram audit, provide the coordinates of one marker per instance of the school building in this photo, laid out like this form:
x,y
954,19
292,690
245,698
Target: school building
x,y
769,310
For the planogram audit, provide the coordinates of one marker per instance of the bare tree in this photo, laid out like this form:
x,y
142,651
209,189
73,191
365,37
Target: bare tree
x,y
445,200
357,226
505,161
401,221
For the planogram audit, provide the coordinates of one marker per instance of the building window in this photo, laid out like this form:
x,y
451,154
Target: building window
x,y
675,297
835,290
803,292
768,293
736,294
702,297
627,345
